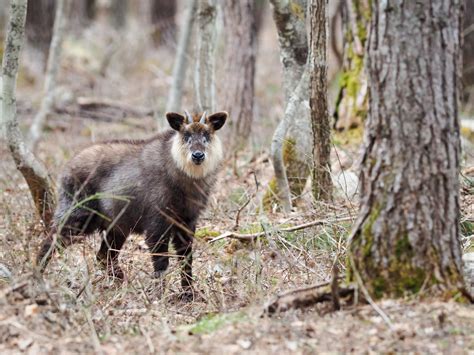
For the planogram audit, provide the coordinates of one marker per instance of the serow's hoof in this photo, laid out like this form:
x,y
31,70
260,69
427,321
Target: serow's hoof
x,y
187,295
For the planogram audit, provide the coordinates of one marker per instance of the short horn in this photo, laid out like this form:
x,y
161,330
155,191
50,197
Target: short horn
x,y
203,118
189,119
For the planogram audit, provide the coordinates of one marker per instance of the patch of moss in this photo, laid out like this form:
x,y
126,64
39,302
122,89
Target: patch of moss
x,y
212,322
206,233
351,137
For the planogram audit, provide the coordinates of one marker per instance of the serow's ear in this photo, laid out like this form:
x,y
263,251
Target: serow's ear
x,y
175,120
217,120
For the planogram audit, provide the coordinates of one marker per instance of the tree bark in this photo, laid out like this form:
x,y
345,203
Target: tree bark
x,y
468,57
351,105
32,170
283,191
205,89
239,59
163,21
322,183
181,61
52,68
84,13
407,234
297,147
39,27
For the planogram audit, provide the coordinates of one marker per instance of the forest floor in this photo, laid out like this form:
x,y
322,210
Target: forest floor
x,y
75,308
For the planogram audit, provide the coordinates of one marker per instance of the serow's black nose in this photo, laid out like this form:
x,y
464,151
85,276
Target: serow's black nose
x,y
198,157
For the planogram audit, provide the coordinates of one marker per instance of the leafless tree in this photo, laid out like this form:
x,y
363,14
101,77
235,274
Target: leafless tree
x,y
297,140
163,20
181,61
119,13
204,78
239,61
407,234
322,184
32,170
39,28
351,105
52,68
84,12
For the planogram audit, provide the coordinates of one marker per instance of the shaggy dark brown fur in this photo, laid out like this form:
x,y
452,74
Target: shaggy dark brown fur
x,y
153,187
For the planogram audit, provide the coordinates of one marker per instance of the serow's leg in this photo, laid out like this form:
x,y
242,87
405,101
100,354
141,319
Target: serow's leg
x,y
183,242
51,244
158,245
109,252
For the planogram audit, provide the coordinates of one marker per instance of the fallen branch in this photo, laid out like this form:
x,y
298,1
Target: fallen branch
x,y
90,104
305,297
252,236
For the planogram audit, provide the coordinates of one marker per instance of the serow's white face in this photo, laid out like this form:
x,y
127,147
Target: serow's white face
x,y
196,149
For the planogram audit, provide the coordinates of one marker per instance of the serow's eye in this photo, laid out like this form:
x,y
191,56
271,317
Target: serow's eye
x,y
187,137
207,138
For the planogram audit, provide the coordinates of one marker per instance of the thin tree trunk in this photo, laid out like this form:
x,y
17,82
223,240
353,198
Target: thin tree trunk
x,y
181,61
351,105
52,68
205,88
32,170
297,146
322,184
407,234
119,13
163,20
239,61
84,13
39,29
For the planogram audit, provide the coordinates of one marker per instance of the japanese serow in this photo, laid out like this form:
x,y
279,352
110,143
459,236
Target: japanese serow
x,y
157,187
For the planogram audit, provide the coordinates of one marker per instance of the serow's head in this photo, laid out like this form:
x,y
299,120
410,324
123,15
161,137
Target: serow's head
x,y
196,149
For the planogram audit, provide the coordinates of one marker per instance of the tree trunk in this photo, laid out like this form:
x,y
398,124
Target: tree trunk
x,y
32,170
84,13
118,12
468,57
181,62
39,28
239,61
351,105
52,68
297,146
205,89
163,21
407,234
322,184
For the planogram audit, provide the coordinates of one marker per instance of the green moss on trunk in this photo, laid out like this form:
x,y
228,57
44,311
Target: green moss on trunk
x,y
297,172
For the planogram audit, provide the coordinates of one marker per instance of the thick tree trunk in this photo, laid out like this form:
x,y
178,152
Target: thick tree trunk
x,y
322,183
163,21
181,62
407,234
54,63
351,105
32,170
39,28
290,22
239,61
204,79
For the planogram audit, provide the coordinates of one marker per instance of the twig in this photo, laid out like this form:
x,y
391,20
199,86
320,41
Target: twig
x,y
303,298
253,236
